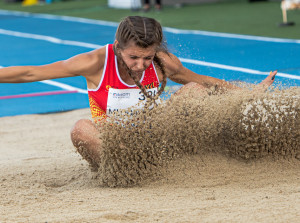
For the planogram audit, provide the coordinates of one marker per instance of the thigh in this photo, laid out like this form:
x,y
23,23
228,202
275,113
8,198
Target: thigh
x,y
191,87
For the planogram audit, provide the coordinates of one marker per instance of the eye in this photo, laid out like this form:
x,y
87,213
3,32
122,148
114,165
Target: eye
x,y
149,58
133,57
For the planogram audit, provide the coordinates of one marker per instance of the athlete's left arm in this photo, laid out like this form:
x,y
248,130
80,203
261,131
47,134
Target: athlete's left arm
x,y
180,74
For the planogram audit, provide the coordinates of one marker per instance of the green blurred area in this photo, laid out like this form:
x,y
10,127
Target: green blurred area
x,y
230,16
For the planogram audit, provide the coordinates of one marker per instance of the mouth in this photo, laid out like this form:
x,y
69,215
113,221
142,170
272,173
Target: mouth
x,y
137,72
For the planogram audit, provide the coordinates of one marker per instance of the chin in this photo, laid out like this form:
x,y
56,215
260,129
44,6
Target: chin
x,y
137,72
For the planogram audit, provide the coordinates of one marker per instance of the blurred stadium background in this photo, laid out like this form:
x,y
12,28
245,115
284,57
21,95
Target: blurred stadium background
x,y
252,17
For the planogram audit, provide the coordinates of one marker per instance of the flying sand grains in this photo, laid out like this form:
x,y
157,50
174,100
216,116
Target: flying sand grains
x,y
243,124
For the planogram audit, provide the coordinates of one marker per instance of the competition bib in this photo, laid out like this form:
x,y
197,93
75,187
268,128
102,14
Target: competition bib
x,y
119,99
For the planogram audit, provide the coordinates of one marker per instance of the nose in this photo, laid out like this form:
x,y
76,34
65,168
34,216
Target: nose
x,y
140,65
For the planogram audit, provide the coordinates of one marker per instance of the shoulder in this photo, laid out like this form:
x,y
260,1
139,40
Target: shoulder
x,y
97,54
170,62
87,64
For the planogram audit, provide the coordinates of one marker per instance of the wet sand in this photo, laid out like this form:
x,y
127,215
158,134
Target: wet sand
x,y
43,179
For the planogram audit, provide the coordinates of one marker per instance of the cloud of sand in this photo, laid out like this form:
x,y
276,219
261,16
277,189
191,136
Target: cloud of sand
x,y
242,124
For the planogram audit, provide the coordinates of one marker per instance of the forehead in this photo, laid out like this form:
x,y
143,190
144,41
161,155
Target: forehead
x,y
132,49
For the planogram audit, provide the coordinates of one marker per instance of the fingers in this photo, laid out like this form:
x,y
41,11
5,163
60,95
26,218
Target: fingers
x,y
268,81
273,74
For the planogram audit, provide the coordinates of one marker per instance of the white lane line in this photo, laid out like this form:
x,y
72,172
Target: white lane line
x,y
62,18
64,86
94,46
166,29
240,69
233,36
48,39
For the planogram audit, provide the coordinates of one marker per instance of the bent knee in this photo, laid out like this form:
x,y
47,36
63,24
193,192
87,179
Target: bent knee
x,y
190,87
80,131
193,85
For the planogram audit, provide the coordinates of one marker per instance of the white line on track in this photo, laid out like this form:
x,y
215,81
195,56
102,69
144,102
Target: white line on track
x,y
61,18
94,46
233,36
48,39
240,69
167,29
64,86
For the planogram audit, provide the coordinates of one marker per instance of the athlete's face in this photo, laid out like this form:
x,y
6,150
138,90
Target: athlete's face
x,y
136,58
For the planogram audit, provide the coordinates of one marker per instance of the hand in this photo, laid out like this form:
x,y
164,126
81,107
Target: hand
x,y
268,81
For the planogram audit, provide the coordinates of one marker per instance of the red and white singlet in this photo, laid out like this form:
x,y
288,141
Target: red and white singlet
x,y
113,94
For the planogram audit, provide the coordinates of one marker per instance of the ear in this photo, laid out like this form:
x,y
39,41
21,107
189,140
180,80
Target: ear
x,y
116,44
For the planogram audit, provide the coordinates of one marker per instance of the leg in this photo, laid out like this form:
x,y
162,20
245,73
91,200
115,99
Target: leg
x,y
146,7
191,87
85,137
158,4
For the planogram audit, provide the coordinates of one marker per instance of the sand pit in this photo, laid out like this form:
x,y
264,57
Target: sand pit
x,y
43,179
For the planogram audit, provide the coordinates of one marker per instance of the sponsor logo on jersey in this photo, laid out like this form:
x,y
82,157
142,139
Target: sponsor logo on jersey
x,y
121,95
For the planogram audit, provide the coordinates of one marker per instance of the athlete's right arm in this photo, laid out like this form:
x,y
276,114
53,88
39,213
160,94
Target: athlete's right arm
x,y
85,64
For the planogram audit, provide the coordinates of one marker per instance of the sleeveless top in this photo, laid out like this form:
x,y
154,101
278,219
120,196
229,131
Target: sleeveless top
x,y
113,94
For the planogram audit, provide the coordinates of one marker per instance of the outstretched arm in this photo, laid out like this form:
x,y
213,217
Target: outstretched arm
x,y
180,74
82,64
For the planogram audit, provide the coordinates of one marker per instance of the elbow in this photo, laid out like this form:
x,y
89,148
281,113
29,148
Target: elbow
x,y
29,75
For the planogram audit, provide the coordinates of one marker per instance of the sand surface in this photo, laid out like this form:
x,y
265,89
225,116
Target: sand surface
x,y
43,179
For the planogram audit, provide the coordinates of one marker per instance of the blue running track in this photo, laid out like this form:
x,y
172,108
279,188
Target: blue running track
x,y
36,39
